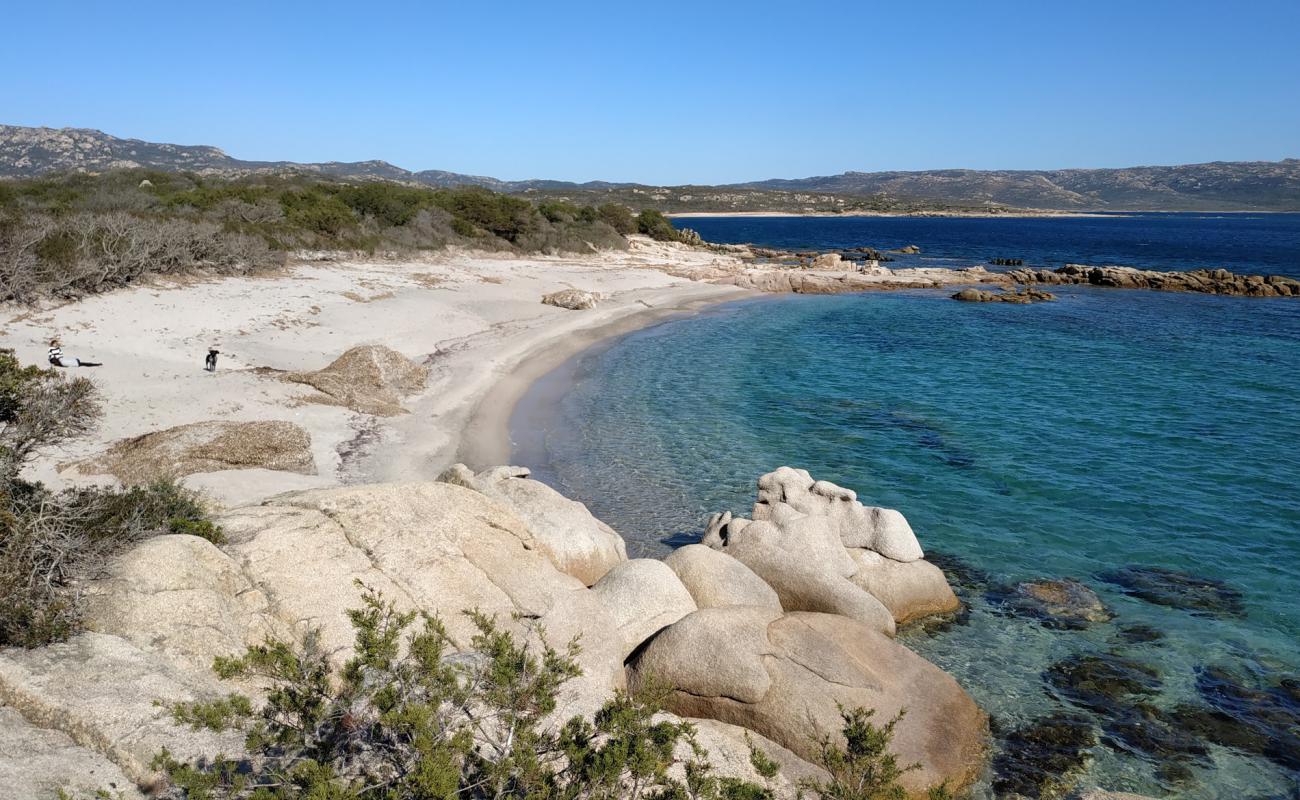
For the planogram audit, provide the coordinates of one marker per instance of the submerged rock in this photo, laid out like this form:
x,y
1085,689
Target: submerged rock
x,y
1265,713
1063,603
1140,634
205,447
1167,587
1040,759
572,299
1102,682
369,379
1155,734
786,676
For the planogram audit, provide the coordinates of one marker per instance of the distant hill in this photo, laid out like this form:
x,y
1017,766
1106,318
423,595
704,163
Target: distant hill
x,y
1221,185
1228,186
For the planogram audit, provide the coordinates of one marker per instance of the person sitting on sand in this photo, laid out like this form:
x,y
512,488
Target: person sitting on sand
x,y
58,359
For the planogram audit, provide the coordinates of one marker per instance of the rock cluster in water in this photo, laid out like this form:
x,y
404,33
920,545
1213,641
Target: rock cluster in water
x,y
1023,296
1210,281
752,644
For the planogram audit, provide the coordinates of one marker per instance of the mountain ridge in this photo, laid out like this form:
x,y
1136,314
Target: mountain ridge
x,y
27,152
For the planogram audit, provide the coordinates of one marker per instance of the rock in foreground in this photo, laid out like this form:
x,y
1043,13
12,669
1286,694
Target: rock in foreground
x,y
205,447
575,541
786,676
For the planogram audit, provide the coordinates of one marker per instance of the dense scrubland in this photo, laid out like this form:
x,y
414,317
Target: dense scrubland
x,y
77,234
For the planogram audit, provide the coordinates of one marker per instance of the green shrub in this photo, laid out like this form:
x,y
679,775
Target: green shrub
x,y
51,542
655,225
618,217
75,234
411,716
421,721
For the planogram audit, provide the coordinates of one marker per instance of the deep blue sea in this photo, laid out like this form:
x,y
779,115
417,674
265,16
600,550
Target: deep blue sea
x,y
1109,430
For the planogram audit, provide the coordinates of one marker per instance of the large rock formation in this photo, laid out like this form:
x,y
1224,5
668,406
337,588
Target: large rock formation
x,y
823,550
575,541
643,596
786,676
500,543
205,447
370,379
40,762
1210,281
716,580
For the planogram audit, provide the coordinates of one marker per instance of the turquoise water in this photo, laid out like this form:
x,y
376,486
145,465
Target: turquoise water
x,y
1110,429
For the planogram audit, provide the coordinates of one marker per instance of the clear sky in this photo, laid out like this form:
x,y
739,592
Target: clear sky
x,y
703,92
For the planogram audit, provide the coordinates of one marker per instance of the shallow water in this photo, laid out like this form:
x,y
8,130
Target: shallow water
x,y
1108,429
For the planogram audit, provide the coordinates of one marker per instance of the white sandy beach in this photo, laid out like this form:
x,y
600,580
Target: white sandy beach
x,y
475,319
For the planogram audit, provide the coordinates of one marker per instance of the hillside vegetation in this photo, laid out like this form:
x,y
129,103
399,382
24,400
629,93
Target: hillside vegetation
x,y
27,152
79,233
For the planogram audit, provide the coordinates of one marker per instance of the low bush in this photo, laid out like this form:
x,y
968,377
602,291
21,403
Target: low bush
x,y
72,235
411,716
50,542
655,225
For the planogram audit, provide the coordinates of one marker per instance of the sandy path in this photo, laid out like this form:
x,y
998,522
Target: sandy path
x,y
476,319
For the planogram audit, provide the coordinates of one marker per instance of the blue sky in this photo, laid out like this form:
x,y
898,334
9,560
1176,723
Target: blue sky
x,y
669,92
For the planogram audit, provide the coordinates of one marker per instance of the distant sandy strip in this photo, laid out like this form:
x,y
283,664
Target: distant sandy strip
x,y
477,320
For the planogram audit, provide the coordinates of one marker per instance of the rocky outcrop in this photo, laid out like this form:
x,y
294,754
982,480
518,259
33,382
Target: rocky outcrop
x,y
222,611
717,580
205,447
822,550
369,379
1022,296
572,299
786,676
1210,281
40,763
105,694
297,563
436,547
643,596
911,590
577,543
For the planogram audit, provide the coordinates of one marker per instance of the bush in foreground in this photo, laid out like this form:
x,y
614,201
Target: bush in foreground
x,y
50,542
410,717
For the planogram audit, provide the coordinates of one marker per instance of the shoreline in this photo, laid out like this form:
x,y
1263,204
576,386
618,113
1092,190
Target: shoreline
x,y
486,437
475,320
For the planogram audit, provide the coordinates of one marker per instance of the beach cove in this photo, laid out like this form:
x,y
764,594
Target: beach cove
x,y
467,336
